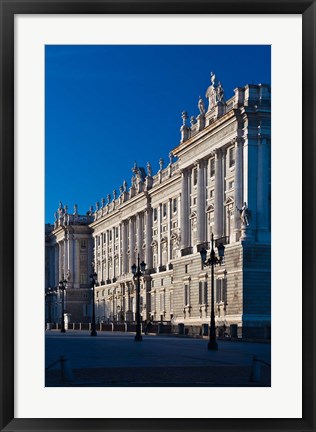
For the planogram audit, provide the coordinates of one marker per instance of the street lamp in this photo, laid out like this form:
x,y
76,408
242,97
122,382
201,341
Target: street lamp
x,y
212,261
62,286
93,278
137,272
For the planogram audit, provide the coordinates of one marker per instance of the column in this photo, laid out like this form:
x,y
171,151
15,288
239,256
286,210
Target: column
x,y
124,248
263,186
60,259
149,231
113,253
76,277
159,217
200,203
238,187
71,257
102,256
184,209
139,220
65,255
169,214
219,195
119,249
95,258
56,265
92,257
131,243
107,276
250,166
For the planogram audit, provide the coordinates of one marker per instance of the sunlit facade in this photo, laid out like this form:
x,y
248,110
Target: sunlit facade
x,y
216,182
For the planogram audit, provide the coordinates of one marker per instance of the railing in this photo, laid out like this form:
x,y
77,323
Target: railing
x,y
231,332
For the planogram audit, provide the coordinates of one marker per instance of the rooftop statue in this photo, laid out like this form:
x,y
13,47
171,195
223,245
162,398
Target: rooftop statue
x,y
201,105
149,169
215,92
220,92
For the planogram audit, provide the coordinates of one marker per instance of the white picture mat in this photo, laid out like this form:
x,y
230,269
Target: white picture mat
x,y
283,32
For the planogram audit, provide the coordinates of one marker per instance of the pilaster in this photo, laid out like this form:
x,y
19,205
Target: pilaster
x,y
184,210
201,215
219,195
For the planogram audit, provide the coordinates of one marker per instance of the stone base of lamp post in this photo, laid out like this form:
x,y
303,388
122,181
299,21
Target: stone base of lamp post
x,y
212,345
138,338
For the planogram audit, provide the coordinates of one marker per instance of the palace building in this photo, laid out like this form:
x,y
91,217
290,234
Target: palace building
x,y
217,183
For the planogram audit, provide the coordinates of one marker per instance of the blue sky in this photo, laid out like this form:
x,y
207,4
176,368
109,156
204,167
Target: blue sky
x,y
109,106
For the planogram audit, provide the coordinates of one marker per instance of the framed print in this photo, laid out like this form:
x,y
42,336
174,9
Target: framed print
x,y
201,263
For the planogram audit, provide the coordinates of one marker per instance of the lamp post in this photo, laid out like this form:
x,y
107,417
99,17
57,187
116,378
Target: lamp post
x,y
62,286
212,261
93,278
138,271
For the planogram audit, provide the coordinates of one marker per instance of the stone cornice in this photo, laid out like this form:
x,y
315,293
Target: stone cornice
x,y
205,132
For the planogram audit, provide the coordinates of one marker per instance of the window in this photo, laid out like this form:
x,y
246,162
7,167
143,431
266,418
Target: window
x,y
186,295
110,235
155,231
175,203
116,232
164,210
83,244
231,184
186,268
194,176
212,167
161,282
194,201
231,156
203,292
211,193
155,214
221,290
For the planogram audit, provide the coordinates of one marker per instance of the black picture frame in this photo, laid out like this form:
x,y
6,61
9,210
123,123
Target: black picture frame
x,y
8,9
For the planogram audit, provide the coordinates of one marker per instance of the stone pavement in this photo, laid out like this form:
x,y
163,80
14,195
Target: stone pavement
x,y
115,359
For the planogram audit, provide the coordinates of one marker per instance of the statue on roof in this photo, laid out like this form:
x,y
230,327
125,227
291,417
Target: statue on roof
x,y
220,92
149,169
215,92
201,106
61,211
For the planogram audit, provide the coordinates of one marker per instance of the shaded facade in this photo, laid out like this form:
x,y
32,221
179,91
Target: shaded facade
x,y
69,254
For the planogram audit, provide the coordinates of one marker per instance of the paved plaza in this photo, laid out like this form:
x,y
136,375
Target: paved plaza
x,y
115,359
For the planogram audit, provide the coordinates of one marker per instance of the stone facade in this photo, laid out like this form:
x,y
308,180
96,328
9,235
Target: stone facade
x,y
217,182
69,254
